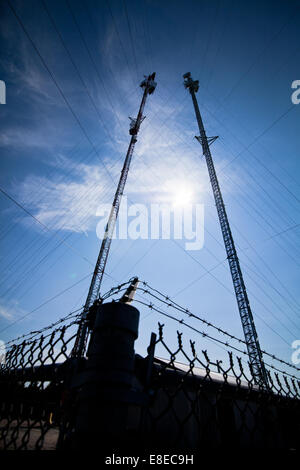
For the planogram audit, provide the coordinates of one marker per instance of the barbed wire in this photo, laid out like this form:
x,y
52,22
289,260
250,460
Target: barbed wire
x,y
171,303
31,334
182,322
209,337
115,290
166,300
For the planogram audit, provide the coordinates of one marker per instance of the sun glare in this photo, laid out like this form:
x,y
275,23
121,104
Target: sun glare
x,y
181,195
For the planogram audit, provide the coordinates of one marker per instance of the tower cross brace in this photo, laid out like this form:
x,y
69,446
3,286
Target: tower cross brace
x,y
149,85
253,347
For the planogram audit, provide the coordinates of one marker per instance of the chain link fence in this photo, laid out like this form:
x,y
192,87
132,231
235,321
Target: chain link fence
x,y
197,403
33,383
177,397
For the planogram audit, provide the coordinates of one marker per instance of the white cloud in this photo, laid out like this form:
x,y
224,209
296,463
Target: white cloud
x,y
6,313
11,310
165,154
69,205
158,164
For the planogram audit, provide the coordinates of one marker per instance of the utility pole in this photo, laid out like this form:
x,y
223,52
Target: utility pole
x,y
254,352
149,85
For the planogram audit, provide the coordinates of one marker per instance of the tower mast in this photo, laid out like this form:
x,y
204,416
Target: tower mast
x,y
149,85
254,352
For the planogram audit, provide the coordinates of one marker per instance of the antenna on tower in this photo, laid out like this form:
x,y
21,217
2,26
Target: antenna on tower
x,y
254,352
148,85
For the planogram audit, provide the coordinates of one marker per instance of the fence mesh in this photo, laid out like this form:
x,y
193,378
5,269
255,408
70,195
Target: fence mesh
x,y
190,400
32,389
197,403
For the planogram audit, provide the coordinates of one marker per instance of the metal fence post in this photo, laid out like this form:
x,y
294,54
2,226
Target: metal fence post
x,y
106,383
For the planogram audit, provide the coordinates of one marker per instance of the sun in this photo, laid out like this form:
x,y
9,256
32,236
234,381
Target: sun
x,y
181,195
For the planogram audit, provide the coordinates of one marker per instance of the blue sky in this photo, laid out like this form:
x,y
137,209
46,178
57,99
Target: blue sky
x,y
72,74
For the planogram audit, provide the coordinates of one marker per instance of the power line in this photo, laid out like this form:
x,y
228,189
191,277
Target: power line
x,y
46,302
107,65
70,315
46,243
57,85
268,326
40,223
258,160
92,60
254,179
221,122
270,43
29,336
45,6
282,232
209,272
255,140
120,40
171,303
204,334
76,69
131,37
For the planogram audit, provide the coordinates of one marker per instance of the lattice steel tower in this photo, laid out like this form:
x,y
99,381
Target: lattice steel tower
x,y
149,85
254,352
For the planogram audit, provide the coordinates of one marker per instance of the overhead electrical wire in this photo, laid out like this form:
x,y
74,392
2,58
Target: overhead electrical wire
x,y
73,313
40,223
58,33
44,303
204,334
101,120
268,326
223,285
92,61
167,300
121,94
57,85
221,123
120,40
231,292
131,37
33,242
270,43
